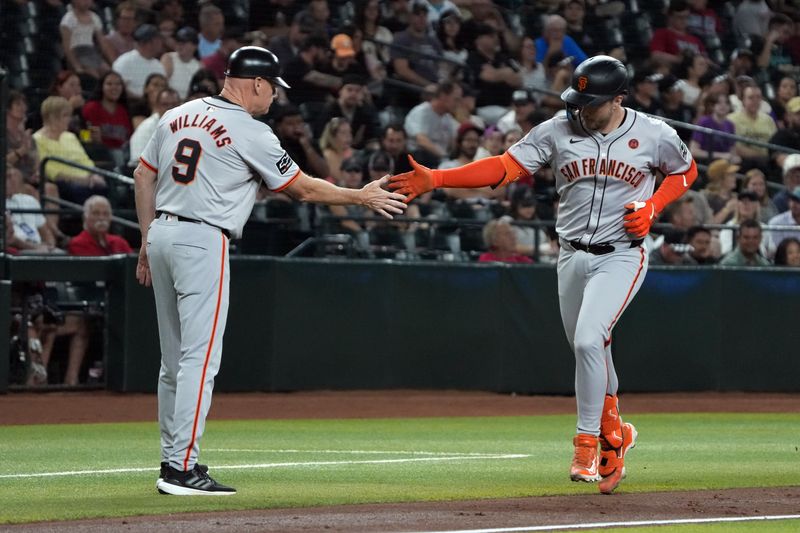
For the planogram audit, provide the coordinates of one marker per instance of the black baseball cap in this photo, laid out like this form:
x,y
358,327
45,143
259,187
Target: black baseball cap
x,y
145,33
186,35
351,165
747,195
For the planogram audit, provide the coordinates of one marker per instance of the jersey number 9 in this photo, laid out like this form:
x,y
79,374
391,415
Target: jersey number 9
x,y
187,155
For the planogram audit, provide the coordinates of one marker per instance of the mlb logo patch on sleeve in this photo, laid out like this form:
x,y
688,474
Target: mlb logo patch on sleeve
x,y
284,163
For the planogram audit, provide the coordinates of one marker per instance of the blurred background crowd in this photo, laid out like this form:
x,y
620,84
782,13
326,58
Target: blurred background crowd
x,y
447,81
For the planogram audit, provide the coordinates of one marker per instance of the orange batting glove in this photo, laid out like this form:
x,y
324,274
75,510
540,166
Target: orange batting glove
x,y
639,217
416,182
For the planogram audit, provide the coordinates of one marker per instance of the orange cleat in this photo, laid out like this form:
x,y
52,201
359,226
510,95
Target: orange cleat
x,y
585,462
612,460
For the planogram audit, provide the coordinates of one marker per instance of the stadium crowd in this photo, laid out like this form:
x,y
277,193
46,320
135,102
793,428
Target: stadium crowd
x,y
447,81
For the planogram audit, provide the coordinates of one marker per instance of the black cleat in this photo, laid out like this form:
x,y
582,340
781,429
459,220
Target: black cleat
x,y
195,482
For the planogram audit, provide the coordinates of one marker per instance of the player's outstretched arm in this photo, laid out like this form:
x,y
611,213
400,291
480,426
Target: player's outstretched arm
x,y
309,189
492,172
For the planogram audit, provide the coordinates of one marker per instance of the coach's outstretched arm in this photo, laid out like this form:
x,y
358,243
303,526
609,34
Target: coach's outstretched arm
x,y
493,172
309,189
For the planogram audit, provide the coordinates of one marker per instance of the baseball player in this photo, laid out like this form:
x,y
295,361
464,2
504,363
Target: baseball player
x,y
195,186
605,158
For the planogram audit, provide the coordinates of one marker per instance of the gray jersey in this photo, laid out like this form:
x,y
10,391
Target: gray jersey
x,y
210,156
596,175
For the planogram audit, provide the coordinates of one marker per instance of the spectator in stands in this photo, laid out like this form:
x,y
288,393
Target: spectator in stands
x,y
554,39
523,209
351,104
775,56
740,83
788,136
167,99
231,40
172,9
430,125
120,39
53,139
296,139
747,248
437,8
786,90
690,71
68,85
352,177
700,251
412,68
182,64
756,182
672,250
347,58
143,107
451,35
396,15
138,64
31,234
703,21
494,76
467,142
511,138
394,142
720,190
499,238
790,217
212,26
204,80
791,179
747,208
714,115
367,19
336,143
523,103
75,326
286,47
672,106
81,39
742,63
167,28
320,13
491,143
95,239
305,73
669,44
752,124
19,139
752,18
106,114
788,253
644,93
532,71
465,107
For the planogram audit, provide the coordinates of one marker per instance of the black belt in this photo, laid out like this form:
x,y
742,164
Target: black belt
x,y
602,248
194,221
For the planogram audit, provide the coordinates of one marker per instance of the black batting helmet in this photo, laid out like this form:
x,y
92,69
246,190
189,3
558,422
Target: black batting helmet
x,y
596,80
255,62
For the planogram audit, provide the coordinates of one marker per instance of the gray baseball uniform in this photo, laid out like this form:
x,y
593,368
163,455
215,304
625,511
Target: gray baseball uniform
x,y
599,268
210,156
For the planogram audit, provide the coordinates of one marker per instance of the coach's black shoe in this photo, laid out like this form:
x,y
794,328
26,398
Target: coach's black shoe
x,y
195,482
165,465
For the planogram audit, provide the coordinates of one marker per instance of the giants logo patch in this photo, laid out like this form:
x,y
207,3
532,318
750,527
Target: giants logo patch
x,y
583,82
633,144
284,163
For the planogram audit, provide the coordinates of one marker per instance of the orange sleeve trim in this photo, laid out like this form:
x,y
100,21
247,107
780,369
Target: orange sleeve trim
x,y
148,165
282,187
674,186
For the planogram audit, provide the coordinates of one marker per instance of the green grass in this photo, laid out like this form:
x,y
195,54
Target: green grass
x,y
675,452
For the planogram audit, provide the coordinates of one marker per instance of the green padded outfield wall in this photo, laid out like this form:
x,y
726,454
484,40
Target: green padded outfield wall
x,y
297,324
